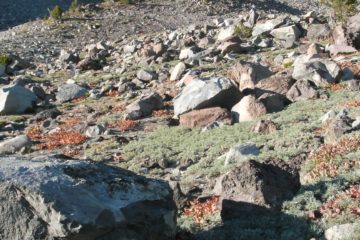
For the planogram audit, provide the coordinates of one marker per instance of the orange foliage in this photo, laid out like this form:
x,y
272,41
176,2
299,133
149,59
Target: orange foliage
x,y
61,138
335,87
161,113
333,207
119,108
125,125
200,210
350,104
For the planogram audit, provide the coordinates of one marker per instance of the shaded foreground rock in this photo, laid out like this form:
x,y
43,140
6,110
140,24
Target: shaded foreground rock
x,y
47,198
204,117
257,183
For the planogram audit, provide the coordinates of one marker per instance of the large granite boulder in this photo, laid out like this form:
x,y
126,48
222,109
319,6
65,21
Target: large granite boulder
x,y
47,198
15,99
204,93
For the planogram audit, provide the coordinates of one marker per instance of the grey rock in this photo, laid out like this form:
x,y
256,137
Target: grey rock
x,y
178,71
2,69
337,127
320,71
316,32
146,75
70,92
203,93
241,152
353,30
68,57
144,106
265,127
226,33
15,99
14,144
49,198
302,90
95,131
286,35
266,27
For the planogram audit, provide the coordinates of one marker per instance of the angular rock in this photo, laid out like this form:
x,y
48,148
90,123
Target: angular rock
x,y
70,92
248,109
241,152
68,57
15,99
341,49
204,117
286,35
178,71
188,53
247,75
353,30
95,131
320,71
302,90
14,144
339,36
48,198
255,183
145,75
226,33
230,47
144,106
266,27
89,64
204,93
316,32
337,128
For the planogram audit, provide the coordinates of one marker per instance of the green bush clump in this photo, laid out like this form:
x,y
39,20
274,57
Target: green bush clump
x,y
56,13
4,59
242,31
342,8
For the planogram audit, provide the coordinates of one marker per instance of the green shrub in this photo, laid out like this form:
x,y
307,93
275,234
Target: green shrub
x,y
242,31
4,59
56,13
342,8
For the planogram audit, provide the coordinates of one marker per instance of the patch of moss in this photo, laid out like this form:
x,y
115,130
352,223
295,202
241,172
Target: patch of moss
x,y
4,59
242,31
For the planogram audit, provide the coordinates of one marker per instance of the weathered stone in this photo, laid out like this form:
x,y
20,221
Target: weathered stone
x,y
247,75
15,99
339,36
302,90
144,106
226,33
145,75
353,30
316,32
204,117
266,27
68,57
178,71
203,93
248,109
341,49
241,152
286,35
47,198
257,183
70,92
95,131
320,71
314,49
337,128
89,64
231,47
14,144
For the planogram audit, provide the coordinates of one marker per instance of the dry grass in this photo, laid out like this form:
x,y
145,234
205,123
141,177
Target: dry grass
x,y
335,87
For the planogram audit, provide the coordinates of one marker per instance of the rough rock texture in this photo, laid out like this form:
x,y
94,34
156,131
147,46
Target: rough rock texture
x,y
144,106
317,32
247,75
266,27
341,232
204,117
353,29
302,90
248,109
16,99
320,71
14,144
203,93
264,127
69,92
56,199
256,183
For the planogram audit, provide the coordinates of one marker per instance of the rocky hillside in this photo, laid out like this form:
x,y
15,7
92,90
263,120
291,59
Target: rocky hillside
x,y
181,120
